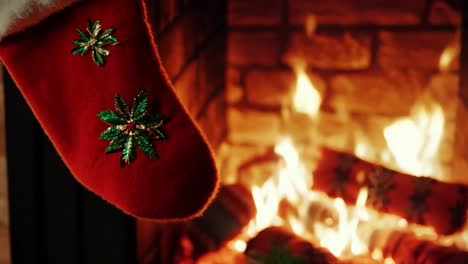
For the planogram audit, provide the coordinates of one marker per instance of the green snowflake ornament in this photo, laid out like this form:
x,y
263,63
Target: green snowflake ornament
x,y
133,128
95,40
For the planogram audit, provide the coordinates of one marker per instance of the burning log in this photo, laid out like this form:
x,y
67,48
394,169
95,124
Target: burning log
x,y
275,243
420,200
405,247
224,219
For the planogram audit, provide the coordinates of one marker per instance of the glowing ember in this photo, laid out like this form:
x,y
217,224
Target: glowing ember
x,y
238,245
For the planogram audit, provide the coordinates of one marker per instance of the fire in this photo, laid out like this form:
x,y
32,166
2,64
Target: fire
x,y
345,236
307,98
285,198
414,141
450,53
290,183
292,186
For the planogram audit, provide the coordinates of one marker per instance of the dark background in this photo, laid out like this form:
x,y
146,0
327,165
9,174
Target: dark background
x,y
53,219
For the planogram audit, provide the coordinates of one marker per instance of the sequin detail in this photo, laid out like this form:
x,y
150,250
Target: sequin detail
x,y
95,40
132,129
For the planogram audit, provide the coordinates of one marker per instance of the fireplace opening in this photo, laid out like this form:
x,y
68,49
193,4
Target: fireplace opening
x,y
337,128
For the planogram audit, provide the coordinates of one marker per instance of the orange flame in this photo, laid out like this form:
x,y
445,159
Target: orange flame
x,y
345,236
290,183
450,53
414,141
307,98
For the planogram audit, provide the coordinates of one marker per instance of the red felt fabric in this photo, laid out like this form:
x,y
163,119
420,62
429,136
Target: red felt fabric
x,y
66,92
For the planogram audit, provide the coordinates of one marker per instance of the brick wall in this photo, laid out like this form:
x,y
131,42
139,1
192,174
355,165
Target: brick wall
x,y
372,58
192,43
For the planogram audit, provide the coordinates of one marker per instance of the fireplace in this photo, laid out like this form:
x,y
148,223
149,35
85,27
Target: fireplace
x,y
308,84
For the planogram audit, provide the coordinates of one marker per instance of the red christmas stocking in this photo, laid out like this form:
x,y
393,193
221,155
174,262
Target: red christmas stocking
x,y
93,78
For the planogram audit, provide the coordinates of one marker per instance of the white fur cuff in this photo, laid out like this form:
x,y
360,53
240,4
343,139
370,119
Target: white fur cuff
x,y
16,15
